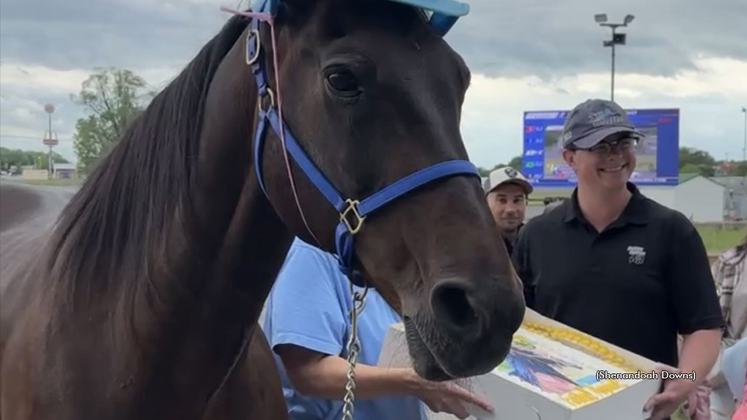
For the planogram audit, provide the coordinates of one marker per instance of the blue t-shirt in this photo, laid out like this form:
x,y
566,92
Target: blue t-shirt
x,y
309,307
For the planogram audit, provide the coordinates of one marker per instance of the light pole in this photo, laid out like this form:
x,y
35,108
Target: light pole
x,y
617,39
744,146
50,139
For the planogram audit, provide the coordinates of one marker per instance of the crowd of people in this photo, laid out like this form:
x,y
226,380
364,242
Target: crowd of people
x,y
609,261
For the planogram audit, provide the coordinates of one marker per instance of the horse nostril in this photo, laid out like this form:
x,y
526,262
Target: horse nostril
x,y
453,307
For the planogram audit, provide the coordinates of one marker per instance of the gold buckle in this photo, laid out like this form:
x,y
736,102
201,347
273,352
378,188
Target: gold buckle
x,y
352,206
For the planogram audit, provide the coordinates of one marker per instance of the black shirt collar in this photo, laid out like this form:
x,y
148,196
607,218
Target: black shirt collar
x,y
509,243
635,211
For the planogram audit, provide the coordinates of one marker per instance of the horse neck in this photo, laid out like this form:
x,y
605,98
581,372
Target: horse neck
x,y
240,246
185,309
240,224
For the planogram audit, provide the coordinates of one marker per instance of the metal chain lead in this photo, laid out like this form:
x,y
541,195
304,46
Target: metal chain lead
x,y
353,347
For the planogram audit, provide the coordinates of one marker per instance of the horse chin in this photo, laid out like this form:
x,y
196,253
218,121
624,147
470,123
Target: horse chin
x,y
423,360
436,358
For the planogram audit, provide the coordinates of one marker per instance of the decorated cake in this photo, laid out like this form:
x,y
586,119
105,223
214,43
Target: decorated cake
x,y
553,372
567,366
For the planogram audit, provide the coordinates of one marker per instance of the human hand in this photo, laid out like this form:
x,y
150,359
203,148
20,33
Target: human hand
x,y
675,392
447,397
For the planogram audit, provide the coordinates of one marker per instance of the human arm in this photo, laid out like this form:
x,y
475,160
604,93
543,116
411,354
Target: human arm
x,y
693,293
699,352
697,314
306,324
325,376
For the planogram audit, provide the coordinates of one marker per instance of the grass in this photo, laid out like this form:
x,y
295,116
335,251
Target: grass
x,y
56,182
719,237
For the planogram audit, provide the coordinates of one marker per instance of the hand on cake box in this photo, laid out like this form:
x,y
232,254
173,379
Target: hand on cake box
x,y
447,397
673,394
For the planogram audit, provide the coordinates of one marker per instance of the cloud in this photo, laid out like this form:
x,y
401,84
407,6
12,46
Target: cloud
x,y
84,33
552,38
545,37
708,97
26,88
535,54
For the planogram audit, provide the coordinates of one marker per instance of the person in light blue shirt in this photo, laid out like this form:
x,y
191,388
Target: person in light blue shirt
x,y
306,321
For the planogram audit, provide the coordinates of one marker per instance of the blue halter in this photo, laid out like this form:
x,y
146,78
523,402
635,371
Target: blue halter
x,y
352,212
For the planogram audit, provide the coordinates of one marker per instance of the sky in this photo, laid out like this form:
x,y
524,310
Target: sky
x,y
523,54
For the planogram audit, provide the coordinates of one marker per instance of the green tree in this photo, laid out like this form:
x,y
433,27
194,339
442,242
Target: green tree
x,y
689,168
739,168
19,158
733,168
514,163
111,98
691,158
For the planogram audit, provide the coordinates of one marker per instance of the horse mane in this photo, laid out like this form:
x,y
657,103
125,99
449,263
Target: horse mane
x,y
111,230
108,232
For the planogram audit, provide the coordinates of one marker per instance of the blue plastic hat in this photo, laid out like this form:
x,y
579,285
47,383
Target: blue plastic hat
x,y
445,13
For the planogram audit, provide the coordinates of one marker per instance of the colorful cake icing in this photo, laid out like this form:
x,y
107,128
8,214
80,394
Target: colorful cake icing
x,y
564,365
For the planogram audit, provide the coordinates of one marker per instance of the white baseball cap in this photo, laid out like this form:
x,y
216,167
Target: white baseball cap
x,y
507,175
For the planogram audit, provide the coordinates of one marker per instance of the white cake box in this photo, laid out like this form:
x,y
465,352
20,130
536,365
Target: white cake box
x,y
552,373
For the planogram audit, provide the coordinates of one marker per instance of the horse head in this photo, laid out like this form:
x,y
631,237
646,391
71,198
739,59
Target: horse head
x,y
143,301
373,94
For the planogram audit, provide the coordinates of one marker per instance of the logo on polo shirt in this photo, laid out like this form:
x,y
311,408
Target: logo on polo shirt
x,y
636,255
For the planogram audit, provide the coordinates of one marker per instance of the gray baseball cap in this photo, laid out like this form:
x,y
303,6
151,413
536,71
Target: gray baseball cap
x,y
593,121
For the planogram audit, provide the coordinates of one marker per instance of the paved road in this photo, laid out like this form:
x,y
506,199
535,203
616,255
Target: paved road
x,y
26,213
20,202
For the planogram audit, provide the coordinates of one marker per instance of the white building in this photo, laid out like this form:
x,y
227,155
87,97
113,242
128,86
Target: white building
x,y
699,198
662,194
64,170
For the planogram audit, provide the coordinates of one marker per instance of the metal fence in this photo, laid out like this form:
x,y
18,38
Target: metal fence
x,y
735,198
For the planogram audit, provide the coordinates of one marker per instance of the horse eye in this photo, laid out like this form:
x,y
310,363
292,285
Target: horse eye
x,y
343,83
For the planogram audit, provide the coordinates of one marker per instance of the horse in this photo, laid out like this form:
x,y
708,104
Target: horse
x,y
142,300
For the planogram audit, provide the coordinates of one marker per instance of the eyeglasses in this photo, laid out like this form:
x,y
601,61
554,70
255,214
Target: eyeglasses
x,y
609,147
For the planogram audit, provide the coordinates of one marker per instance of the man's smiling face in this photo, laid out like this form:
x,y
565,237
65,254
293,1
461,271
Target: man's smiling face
x,y
608,165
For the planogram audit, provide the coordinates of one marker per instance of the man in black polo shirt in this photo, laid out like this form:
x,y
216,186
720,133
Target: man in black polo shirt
x,y
506,191
617,265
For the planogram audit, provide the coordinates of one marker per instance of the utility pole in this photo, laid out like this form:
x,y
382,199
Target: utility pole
x,y
744,146
617,39
50,139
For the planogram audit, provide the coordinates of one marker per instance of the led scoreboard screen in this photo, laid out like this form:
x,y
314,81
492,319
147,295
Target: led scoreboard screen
x,y
657,154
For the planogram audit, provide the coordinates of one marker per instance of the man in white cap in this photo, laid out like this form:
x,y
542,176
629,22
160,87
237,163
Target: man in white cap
x,y
507,191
